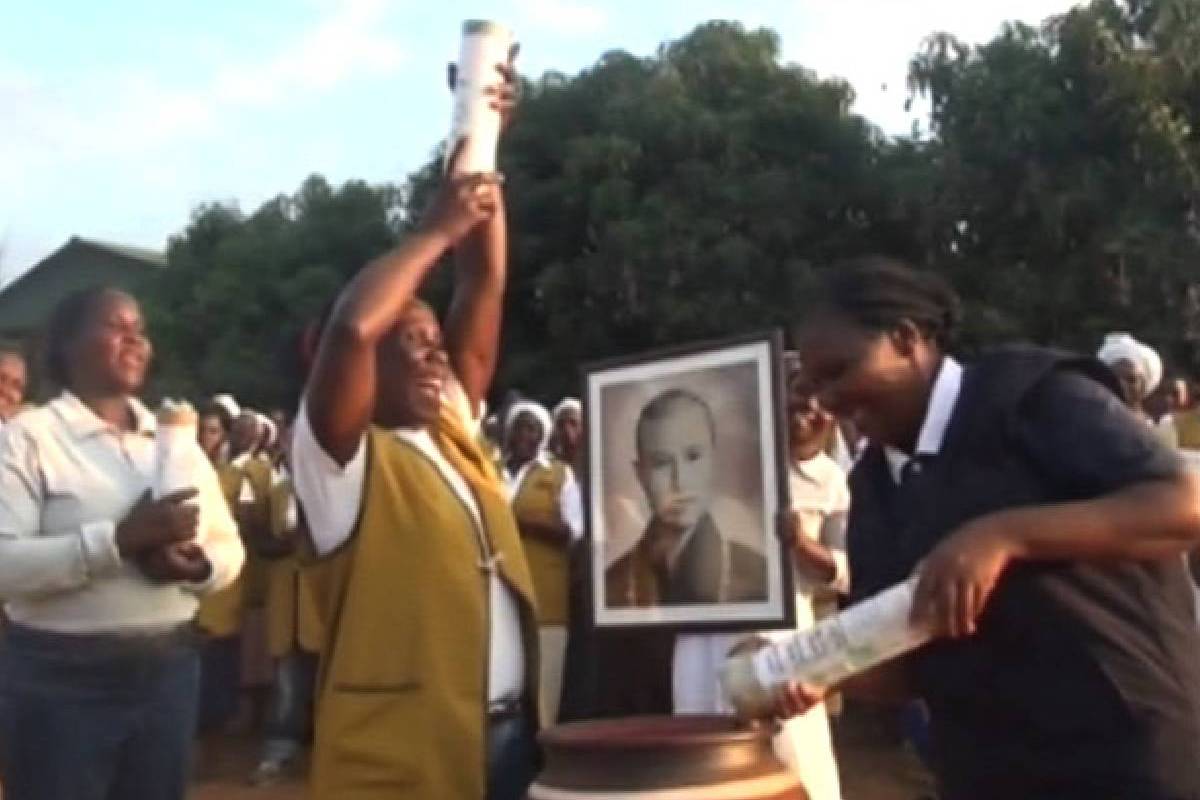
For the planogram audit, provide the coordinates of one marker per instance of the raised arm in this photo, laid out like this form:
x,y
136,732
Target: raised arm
x,y
481,267
473,325
340,396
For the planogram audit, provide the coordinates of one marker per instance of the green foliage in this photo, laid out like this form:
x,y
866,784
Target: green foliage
x,y
226,313
1065,174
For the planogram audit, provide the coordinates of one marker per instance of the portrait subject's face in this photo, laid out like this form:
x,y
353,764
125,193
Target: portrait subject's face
x,y
675,465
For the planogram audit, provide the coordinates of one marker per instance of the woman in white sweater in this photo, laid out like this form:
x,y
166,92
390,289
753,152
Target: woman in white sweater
x,y
98,668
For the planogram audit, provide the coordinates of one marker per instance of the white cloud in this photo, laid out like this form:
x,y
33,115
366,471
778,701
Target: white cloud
x,y
66,143
344,44
567,17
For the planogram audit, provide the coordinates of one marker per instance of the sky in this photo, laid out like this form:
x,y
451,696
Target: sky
x,y
118,118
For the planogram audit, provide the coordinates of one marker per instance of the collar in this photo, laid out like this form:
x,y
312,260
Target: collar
x,y
942,400
83,423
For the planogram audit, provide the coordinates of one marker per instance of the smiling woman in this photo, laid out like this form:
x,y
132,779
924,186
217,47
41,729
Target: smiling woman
x,y
98,672
1046,523
413,526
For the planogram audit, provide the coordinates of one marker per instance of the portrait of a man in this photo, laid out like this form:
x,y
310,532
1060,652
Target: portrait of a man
x,y
682,557
683,488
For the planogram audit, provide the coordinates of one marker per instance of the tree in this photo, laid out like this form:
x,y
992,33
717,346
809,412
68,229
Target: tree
x,y
1065,169
227,312
660,200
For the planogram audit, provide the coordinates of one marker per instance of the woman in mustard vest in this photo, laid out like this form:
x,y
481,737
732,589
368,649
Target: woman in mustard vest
x,y
430,648
539,485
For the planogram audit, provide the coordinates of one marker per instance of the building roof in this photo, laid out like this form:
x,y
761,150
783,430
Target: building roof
x,y
153,257
26,301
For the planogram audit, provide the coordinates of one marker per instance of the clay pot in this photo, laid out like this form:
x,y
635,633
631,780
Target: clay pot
x,y
663,758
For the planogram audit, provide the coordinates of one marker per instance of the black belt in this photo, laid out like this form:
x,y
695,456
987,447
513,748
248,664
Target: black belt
x,y
506,707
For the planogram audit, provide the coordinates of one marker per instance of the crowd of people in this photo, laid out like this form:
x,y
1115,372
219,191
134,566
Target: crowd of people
x,y
396,577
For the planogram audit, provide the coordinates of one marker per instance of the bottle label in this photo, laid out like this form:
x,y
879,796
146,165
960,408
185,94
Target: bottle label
x,y
859,637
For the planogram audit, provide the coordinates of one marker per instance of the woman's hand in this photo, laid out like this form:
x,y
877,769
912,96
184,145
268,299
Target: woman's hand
x,y
790,700
505,94
795,699
185,561
810,556
462,202
152,524
958,576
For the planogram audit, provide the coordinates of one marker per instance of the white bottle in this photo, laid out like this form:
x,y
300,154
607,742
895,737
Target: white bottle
x,y
862,636
176,451
484,45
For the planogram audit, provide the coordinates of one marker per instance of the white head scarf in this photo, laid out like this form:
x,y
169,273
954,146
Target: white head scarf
x,y
230,405
565,405
1123,347
539,413
267,426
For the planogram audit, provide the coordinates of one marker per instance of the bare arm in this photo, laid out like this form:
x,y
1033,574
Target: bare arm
x,y
473,324
1143,522
481,267
1147,521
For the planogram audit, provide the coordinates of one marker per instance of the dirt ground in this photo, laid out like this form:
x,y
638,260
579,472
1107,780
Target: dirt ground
x,y
874,765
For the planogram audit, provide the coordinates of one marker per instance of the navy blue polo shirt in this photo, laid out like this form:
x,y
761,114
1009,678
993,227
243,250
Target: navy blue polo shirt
x,y
1084,678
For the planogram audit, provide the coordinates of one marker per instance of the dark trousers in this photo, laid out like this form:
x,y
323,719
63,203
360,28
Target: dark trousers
x,y
220,682
290,722
512,757
96,717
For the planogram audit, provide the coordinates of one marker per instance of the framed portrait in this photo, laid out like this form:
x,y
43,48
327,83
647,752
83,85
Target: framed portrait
x,y
686,476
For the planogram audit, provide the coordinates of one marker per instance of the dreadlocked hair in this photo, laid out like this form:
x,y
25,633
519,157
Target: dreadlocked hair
x,y
878,292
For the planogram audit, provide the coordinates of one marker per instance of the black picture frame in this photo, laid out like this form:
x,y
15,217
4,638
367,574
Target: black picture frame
x,y
652,373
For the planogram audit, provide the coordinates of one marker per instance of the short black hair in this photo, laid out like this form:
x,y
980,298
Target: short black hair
x,y
68,320
661,406
878,292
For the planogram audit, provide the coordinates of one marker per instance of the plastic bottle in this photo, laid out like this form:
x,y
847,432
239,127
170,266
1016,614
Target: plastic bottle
x,y
860,637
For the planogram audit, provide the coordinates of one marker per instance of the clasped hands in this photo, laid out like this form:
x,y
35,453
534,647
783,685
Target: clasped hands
x,y
160,537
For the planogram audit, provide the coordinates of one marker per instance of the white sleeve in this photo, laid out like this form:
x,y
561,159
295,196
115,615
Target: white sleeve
x,y
329,493
37,562
570,506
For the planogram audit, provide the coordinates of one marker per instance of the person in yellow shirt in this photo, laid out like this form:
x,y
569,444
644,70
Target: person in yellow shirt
x,y
538,487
